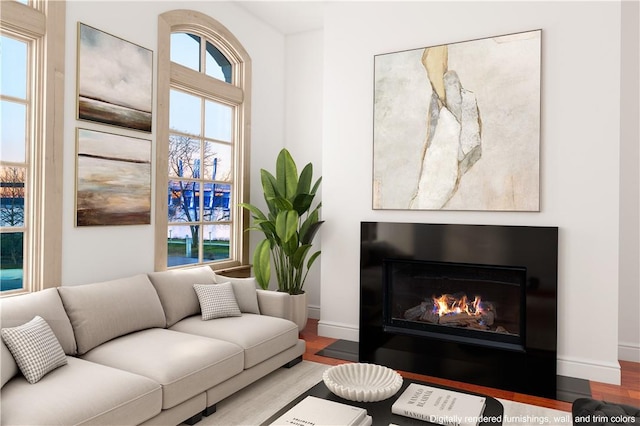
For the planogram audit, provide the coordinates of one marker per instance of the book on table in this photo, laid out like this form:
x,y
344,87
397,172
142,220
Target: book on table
x,y
317,411
440,406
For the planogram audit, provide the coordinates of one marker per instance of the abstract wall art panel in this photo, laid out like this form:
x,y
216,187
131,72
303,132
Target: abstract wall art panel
x,y
115,79
113,179
457,126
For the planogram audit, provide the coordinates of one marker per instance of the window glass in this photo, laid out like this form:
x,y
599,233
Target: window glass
x,y
13,60
218,165
13,132
185,50
184,201
216,242
12,192
217,65
12,255
217,204
218,121
184,156
185,113
182,247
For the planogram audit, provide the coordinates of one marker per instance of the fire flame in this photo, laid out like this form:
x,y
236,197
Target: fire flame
x,y
449,304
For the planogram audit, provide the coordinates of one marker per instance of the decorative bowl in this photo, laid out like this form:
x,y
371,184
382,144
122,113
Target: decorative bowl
x,y
362,382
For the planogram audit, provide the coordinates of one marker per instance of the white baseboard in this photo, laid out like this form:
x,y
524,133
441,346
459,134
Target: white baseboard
x,y
313,312
628,351
338,331
589,370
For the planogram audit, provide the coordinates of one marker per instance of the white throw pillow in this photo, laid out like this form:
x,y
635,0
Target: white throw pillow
x,y
35,348
217,301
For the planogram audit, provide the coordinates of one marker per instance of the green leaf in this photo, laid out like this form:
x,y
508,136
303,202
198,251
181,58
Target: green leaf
x,y
269,184
302,203
262,264
315,187
257,213
312,259
304,183
282,204
286,224
286,175
299,255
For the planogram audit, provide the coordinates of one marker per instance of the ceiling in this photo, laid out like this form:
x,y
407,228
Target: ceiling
x,y
287,17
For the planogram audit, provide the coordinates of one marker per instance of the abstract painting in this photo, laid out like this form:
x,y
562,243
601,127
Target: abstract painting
x,y
115,80
457,126
113,175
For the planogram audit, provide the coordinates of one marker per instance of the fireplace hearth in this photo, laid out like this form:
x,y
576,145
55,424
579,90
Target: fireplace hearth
x,y
473,303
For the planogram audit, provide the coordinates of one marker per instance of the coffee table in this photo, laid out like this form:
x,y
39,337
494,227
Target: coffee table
x,y
381,411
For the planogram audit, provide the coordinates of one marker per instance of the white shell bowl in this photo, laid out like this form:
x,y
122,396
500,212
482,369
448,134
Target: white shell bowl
x,y
362,382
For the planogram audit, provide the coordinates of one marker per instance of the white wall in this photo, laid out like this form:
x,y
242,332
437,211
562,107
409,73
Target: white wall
x,y
629,313
303,126
580,148
101,253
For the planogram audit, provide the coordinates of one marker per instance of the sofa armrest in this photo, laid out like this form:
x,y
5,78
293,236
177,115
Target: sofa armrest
x,y
274,303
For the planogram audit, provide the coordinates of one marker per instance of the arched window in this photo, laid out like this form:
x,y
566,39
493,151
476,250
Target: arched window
x,y
202,143
31,144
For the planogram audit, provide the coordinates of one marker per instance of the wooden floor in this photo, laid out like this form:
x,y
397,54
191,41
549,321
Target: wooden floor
x,y
627,393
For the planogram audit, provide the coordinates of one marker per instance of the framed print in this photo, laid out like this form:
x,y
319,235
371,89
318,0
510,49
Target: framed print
x,y
457,126
113,179
115,79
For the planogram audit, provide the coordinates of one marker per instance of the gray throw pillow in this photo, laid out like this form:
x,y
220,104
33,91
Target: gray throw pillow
x,y
217,301
35,348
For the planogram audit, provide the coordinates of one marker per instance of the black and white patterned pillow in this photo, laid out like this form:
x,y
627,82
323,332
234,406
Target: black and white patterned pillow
x,y
35,348
217,301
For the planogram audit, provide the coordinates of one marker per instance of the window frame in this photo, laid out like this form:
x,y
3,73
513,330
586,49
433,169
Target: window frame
x,y
176,76
42,23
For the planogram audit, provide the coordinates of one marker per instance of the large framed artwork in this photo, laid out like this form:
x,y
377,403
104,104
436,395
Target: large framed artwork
x,y
457,126
113,179
115,79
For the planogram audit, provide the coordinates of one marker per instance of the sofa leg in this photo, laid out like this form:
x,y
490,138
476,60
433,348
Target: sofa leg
x,y
293,362
193,420
209,410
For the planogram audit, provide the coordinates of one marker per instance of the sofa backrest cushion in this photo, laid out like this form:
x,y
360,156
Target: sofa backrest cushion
x,y
175,289
8,366
103,311
245,290
21,309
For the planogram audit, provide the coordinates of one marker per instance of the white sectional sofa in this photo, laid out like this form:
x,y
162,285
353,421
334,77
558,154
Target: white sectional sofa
x,y
138,351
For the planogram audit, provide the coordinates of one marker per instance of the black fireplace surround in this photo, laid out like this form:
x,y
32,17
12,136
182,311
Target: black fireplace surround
x,y
500,283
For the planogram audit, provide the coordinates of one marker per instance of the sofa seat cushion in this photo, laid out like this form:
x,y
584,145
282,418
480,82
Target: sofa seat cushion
x,y
81,392
185,365
260,336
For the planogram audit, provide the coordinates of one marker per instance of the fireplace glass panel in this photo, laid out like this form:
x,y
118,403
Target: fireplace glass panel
x,y
469,303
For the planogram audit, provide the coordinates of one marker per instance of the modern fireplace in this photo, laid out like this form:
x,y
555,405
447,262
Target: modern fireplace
x,y
474,303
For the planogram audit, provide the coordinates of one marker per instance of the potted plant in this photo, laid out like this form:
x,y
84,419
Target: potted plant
x,y
289,227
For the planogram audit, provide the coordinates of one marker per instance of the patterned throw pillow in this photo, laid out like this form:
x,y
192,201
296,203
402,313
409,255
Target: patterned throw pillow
x,y
217,301
35,348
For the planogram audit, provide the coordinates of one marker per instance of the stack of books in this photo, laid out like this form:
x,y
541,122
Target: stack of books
x,y
439,406
313,411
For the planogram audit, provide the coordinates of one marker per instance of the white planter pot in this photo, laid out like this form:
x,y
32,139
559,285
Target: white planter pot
x,y
298,310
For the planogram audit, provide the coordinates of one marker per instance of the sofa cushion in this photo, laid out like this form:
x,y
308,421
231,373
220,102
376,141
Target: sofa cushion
x,y
183,364
260,336
217,301
245,290
18,310
34,348
175,289
81,392
103,311
8,367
